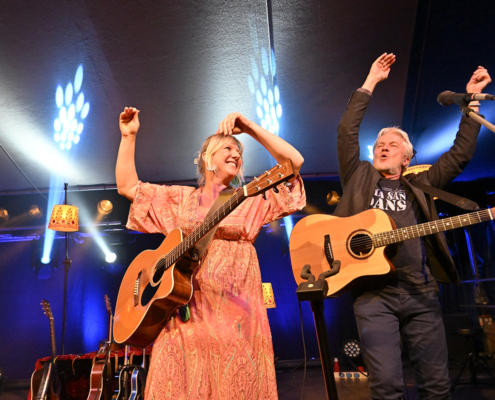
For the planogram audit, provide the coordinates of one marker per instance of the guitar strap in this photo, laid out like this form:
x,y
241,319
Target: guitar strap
x,y
458,201
202,244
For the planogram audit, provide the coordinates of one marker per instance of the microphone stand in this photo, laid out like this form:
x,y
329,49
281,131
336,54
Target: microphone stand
x,y
471,114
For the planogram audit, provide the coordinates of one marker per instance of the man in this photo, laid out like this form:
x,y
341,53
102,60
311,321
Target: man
x,y
407,305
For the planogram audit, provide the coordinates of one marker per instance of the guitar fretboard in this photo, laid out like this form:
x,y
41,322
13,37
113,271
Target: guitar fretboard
x,y
429,228
52,338
208,224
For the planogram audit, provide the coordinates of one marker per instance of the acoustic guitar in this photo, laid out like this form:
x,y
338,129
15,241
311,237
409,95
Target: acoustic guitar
x,y
123,378
159,281
101,374
359,243
138,380
45,383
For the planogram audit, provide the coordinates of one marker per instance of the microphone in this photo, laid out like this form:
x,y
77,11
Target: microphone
x,y
461,99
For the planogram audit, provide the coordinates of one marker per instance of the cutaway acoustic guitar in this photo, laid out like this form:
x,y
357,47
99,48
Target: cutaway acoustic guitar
x,y
158,281
359,243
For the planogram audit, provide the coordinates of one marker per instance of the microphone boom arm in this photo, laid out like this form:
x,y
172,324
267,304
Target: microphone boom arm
x,y
471,114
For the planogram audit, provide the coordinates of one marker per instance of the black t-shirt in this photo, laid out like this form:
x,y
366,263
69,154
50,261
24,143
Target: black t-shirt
x,y
409,257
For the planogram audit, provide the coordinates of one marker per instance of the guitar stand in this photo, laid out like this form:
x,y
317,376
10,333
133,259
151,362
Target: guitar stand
x,y
316,292
106,376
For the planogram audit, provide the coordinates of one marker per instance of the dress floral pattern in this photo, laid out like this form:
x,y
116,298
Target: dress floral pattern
x,y
224,351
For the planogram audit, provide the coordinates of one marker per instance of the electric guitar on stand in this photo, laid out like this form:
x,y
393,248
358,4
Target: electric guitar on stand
x,y
359,242
159,281
45,383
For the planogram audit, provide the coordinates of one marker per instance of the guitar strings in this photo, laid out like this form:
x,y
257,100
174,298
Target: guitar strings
x,y
394,235
179,250
200,231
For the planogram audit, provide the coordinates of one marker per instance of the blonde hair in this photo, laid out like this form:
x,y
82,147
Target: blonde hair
x,y
209,148
407,143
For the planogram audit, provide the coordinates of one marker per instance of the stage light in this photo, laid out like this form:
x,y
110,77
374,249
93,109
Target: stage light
x,y
4,215
42,266
105,207
443,137
110,257
68,126
289,224
370,155
35,212
262,85
333,198
352,348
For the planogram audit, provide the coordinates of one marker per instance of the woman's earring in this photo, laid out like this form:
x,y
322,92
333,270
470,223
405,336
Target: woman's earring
x,y
211,169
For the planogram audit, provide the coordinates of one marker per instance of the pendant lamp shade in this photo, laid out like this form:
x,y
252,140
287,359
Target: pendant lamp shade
x,y
65,218
268,295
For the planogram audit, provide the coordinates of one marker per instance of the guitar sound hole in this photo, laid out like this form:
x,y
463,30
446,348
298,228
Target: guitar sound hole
x,y
157,275
361,245
148,293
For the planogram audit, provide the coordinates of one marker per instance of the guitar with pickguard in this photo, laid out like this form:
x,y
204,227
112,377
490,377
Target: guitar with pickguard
x,y
359,243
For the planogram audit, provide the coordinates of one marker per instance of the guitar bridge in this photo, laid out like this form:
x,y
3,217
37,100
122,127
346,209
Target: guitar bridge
x,y
328,249
334,264
136,289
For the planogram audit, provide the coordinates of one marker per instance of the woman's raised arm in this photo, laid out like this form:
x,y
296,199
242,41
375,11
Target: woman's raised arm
x,y
125,170
236,123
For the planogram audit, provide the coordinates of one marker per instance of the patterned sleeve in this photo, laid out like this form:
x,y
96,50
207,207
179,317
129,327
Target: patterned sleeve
x,y
287,201
156,208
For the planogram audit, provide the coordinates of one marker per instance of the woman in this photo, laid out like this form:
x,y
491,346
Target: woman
x,y
224,350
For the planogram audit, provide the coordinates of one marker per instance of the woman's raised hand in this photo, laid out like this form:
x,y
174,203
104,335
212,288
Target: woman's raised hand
x,y
129,121
234,124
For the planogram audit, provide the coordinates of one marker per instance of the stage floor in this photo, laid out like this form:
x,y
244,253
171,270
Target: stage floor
x,y
290,383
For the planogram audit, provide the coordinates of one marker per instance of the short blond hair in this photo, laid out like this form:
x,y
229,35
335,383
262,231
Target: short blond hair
x,y
407,143
211,145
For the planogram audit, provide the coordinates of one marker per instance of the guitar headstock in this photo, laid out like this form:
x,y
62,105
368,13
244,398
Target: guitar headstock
x,y
47,309
279,173
108,305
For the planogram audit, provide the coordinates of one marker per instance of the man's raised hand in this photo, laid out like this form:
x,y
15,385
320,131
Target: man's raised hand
x,y
478,81
379,70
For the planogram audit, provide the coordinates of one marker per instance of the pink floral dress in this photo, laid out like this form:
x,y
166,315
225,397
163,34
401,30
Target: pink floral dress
x,y
224,351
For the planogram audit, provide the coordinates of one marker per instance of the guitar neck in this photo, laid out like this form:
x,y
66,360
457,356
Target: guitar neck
x,y
52,339
429,228
110,328
208,224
